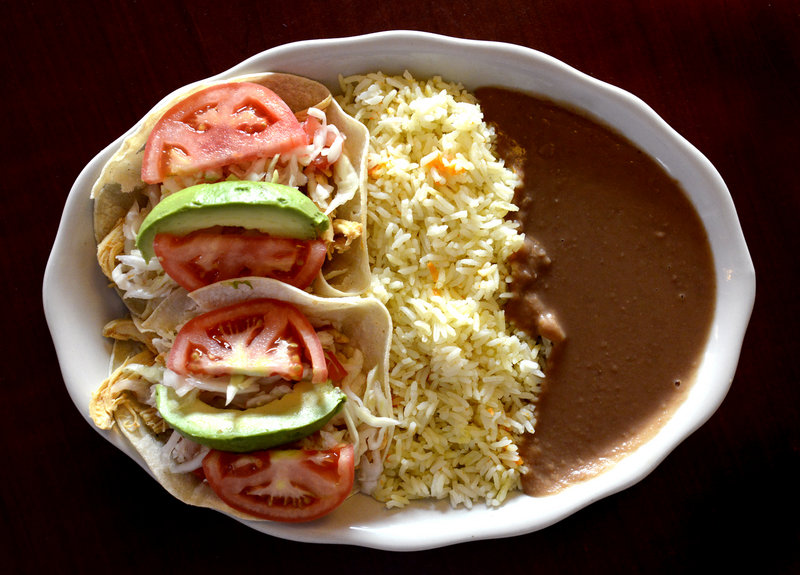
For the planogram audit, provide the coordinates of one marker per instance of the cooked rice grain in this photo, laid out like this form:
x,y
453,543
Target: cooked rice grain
x,y
463,383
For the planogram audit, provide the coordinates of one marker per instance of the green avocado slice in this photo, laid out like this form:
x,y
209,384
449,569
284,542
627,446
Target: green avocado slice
x,y
297,414
278,210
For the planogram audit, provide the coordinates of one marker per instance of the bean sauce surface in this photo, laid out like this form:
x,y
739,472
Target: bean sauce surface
x,y
617,271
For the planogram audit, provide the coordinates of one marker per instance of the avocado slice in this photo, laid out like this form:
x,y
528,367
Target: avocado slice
x,y
297,414
278,210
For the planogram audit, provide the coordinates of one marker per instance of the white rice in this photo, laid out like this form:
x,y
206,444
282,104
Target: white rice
x,y
463,383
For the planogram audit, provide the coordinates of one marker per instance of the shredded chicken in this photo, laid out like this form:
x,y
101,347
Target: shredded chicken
x,y
344,232
119,392
110,247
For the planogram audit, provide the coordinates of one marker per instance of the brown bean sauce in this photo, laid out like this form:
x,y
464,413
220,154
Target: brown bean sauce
x,y
617,271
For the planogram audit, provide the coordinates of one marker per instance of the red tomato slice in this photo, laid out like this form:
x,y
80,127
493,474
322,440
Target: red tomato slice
x,y
336,371
260,337
310,126
207,256
219,126
282,485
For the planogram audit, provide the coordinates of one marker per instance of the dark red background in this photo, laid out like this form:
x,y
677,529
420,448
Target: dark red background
x,y
76,75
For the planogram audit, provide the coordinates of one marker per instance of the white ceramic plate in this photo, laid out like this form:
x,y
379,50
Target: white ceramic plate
x,y
78,303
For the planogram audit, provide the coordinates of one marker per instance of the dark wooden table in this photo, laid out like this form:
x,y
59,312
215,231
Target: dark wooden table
x,y
725,74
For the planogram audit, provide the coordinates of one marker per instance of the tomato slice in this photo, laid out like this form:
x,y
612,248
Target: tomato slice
x,y
262,337
336,371
310,126
206,256
282,485
221,125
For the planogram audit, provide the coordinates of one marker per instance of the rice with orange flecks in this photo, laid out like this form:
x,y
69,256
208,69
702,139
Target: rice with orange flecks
x,y
463,382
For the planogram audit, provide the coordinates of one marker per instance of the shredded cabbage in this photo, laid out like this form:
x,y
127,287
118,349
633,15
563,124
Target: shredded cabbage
x,y
183,455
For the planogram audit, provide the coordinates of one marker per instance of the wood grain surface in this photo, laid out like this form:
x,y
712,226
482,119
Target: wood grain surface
x,y
724,74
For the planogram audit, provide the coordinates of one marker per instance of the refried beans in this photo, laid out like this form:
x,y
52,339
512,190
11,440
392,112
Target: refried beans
x,y
616,271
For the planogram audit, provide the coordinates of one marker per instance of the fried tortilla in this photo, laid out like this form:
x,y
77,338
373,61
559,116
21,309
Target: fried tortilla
x,y
120,186
120,404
